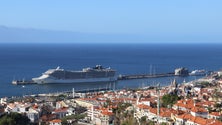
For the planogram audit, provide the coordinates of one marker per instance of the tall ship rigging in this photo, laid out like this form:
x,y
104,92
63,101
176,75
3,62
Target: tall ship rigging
x,y
95,74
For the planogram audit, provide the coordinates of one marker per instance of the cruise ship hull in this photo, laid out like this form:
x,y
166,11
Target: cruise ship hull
x,y
89,80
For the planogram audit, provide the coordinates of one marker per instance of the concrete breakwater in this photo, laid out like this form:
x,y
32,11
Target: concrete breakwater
x,y
141,76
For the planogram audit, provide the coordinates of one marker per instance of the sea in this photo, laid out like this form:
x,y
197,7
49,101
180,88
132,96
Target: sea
x,y
24,61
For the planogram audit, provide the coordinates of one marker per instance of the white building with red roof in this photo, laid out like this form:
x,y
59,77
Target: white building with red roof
x,y
188,119
198,111
215,115
55,122
60,113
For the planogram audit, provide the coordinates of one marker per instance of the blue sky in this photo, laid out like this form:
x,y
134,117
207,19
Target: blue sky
x,y
174,20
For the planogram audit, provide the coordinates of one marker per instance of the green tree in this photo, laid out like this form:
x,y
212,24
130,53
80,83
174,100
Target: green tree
x,y
122,116
64,121
14,119
60,97
163,123
169,99
218,107
75,118
143,120
151,123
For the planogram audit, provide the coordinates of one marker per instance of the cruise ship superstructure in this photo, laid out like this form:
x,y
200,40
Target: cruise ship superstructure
x,y
96,74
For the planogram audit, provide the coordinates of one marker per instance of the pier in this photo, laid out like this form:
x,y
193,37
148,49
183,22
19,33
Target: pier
x,y
142,76
23,82
76,92
91,90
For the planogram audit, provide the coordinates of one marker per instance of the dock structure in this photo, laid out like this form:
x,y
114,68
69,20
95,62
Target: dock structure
x,y
74,92
23,82
91,90
142,76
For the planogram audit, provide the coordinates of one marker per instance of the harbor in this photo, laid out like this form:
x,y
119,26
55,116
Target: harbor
x,y
120,77
178,72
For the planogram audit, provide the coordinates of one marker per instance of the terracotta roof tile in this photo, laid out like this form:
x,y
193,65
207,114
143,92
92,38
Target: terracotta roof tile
x,y
48,117
199,120
61,110
153,110
215,113
198,109
216,123
56,121
107,113
142,106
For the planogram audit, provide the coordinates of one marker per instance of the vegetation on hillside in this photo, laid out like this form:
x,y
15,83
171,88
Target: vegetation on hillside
x,y
14,119
169,100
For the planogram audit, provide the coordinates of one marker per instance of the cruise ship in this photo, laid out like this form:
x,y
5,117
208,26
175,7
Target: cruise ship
x,y
86,75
